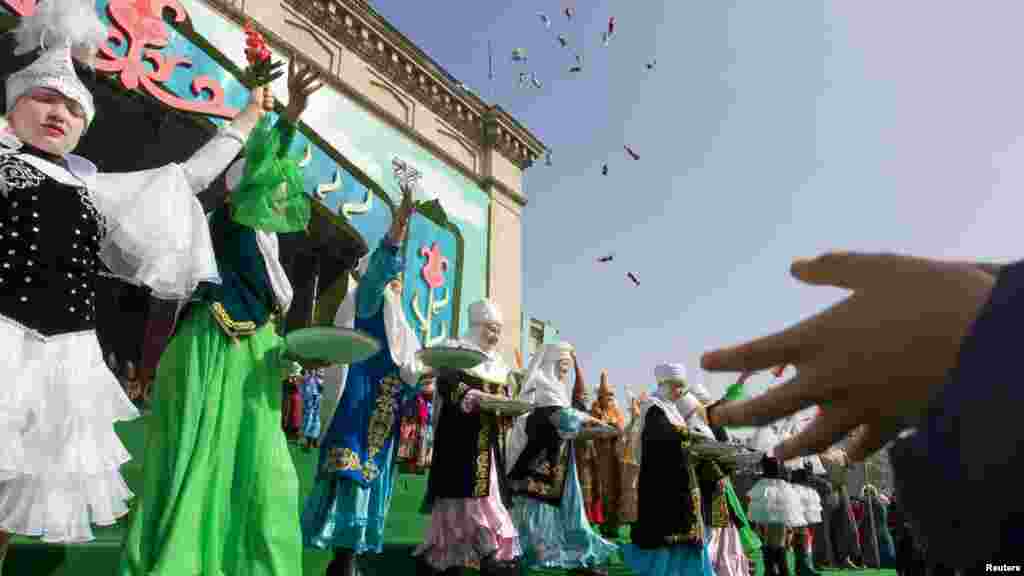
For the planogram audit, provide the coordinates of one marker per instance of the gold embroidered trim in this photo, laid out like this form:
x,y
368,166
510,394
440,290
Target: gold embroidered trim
x,y
483,459
383,419
230,326
381,425
719,507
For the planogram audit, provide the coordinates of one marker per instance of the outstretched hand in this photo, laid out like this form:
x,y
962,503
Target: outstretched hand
x,y
303,81
873,358
400,224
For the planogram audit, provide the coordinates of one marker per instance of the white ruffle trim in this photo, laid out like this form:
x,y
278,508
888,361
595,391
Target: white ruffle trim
x,y
158,234
59,453
775,501
810,502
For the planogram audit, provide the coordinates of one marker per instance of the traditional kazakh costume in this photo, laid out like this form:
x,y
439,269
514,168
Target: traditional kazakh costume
x,y
62,224
218,467
312,391
668,537
356,472
802,471
470,525
548,506
607,481
585,450
731,539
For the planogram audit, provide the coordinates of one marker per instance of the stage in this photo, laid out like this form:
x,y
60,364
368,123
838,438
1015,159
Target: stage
x,y
405,528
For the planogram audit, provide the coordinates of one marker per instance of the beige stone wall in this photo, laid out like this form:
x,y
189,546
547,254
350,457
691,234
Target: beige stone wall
x,y
359,79
505,280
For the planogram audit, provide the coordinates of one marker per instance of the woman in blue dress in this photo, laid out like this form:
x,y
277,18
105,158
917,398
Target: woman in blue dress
x,y
547,499
350,500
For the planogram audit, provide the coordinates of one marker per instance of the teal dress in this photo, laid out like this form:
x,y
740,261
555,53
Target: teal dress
x,y
356,471
561,536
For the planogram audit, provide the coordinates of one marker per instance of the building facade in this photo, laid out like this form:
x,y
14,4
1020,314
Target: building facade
x,y
387,112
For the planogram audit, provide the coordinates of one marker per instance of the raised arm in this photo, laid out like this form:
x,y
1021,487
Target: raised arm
x,y
386,262
214,157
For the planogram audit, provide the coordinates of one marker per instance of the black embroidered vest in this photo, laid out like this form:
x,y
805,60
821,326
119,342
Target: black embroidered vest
x,y
541,470
50,235
466,443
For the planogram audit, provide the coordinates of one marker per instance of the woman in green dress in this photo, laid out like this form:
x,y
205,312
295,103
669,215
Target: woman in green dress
x,y
221,494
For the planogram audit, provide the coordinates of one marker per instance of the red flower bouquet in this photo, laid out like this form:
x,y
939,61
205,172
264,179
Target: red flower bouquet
x,y
261,70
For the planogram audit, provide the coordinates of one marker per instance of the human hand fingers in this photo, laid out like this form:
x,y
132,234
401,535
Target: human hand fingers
x,y
268,100
859,270
870,438
827,429
797,393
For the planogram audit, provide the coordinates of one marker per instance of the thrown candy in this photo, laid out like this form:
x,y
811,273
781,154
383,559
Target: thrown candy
x,y
544,19
633,277
607,258
611,26
563,40
536,82
576,69
632,154
604,170
569,12
519,55
651,64
547,158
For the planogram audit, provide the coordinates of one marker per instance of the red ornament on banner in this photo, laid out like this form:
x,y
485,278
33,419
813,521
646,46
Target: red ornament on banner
x,y
433,271
139,25
21,7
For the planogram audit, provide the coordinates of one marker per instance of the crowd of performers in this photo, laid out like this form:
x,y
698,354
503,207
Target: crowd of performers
x,y
504,494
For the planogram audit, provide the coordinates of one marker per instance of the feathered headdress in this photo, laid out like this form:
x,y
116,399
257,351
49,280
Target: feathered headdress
x,y
59,29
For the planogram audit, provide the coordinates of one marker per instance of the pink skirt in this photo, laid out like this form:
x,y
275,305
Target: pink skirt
x,y
726,552
464,531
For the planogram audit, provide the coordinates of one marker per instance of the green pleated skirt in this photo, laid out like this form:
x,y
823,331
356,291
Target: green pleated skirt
x,y
221,494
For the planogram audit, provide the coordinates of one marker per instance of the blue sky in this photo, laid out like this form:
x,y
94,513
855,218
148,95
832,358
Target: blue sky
x,y
767,131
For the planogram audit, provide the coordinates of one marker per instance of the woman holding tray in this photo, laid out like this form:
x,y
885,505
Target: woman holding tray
x,y
548,502
470,525
356,473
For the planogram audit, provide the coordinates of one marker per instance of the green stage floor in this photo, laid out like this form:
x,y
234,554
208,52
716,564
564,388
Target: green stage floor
x,y
405,528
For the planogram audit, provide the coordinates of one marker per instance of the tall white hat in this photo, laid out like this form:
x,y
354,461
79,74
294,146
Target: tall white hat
x,y
57,27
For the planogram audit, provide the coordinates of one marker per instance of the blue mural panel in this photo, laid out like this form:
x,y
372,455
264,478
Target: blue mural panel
x,y
430,292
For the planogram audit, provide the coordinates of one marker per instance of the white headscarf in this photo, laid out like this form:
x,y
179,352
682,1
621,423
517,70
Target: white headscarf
x,y
700,392
543,387
482,313
688,406
665,374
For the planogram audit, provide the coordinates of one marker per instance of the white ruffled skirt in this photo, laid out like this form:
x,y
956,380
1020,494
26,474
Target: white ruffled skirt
x,y
775,501
59,453
810,501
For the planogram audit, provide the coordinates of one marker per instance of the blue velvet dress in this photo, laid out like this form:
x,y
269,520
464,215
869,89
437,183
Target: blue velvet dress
x,y
356,472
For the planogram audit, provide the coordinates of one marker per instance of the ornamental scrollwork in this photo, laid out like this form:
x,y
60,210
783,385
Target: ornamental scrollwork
x,y
139,27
